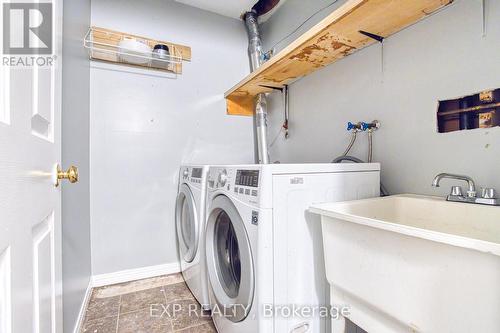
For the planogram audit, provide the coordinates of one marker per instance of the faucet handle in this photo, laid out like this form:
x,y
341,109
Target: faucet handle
x,y
456,191
489,193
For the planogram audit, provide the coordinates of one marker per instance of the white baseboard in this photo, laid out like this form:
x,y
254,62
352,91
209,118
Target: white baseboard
x,y
135,274
81,314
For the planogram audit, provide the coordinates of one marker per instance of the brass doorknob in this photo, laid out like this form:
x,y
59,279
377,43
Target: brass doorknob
x,y
71,174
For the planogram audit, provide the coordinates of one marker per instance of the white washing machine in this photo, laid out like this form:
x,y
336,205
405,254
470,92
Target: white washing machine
x,y
190,212
264,249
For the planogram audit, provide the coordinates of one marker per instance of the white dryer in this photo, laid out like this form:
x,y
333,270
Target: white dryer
x,y
264,249
190,211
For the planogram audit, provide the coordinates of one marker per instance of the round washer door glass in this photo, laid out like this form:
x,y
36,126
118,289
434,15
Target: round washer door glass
x,y
187,224
227,254
229,260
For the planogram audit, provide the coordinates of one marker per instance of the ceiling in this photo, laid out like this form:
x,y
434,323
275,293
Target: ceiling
x,y
231,8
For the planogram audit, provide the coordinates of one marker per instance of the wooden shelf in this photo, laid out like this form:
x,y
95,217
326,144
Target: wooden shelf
x,y
104,45
334,38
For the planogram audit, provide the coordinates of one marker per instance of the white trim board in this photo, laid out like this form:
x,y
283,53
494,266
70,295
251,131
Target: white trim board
x,y
81,314
134,274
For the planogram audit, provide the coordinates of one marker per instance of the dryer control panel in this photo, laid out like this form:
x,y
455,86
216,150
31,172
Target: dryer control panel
x,y
192,175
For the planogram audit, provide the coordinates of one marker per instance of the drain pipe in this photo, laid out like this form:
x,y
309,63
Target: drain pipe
x,y
255,55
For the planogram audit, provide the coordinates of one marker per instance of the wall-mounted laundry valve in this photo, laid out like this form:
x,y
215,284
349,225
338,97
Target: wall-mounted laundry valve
x,y
374,125
354,126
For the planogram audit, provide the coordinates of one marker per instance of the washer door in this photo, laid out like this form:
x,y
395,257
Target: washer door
x,y
187,224
229,260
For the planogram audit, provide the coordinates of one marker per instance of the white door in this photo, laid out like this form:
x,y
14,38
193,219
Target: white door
x,y
30,204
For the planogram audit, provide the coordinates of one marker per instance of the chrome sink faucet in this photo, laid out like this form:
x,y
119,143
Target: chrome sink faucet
x,y
488,195
471,193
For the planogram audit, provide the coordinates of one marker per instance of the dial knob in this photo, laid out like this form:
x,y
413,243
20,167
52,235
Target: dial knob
x,y
185,174
223,178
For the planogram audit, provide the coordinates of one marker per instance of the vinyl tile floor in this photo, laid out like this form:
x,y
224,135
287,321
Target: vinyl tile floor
x,y
157,305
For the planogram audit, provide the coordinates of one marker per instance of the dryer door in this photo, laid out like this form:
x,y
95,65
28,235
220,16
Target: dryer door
x,y
187,224
229,260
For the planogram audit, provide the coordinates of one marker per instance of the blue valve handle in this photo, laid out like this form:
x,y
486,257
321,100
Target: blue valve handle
x,y
369,126
351,126
362,126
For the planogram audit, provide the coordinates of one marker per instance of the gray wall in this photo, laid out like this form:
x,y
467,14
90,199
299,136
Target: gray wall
x,y
278,31
444,56
75,151
144,125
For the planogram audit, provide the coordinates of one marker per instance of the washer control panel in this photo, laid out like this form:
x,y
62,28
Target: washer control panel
x,y
248,178
241,183
247,183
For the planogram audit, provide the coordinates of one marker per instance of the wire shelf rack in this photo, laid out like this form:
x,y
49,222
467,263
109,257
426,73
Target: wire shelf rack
x,y
122,48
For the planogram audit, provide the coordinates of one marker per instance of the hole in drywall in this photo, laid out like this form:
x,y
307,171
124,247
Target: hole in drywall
x,y
480,110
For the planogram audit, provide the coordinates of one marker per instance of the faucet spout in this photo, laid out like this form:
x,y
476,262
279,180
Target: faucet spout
x,y
470,182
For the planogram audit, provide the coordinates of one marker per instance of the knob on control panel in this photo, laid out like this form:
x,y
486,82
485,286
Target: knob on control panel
x,y
223,178
185,174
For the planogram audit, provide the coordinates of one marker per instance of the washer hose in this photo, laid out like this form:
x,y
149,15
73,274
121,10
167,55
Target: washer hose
x,y
340,159
353,139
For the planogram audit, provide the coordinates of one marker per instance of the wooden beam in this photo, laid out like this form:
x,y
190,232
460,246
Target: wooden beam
x,y
471,109
240,105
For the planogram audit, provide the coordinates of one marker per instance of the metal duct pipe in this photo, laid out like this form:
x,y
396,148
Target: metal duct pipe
x,y
254,41
255,56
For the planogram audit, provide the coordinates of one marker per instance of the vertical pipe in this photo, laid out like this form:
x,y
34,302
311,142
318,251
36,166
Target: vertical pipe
x,y
255,57
261,123
287,110
254,41
370,145
483,12
464,120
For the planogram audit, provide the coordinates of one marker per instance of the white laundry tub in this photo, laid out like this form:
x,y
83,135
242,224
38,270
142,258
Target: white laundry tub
x,y
410,263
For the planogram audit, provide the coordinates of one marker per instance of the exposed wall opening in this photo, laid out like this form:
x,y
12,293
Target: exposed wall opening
x,y
480,110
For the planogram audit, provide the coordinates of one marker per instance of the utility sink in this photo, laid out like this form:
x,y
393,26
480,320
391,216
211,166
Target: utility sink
x,y
411,263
